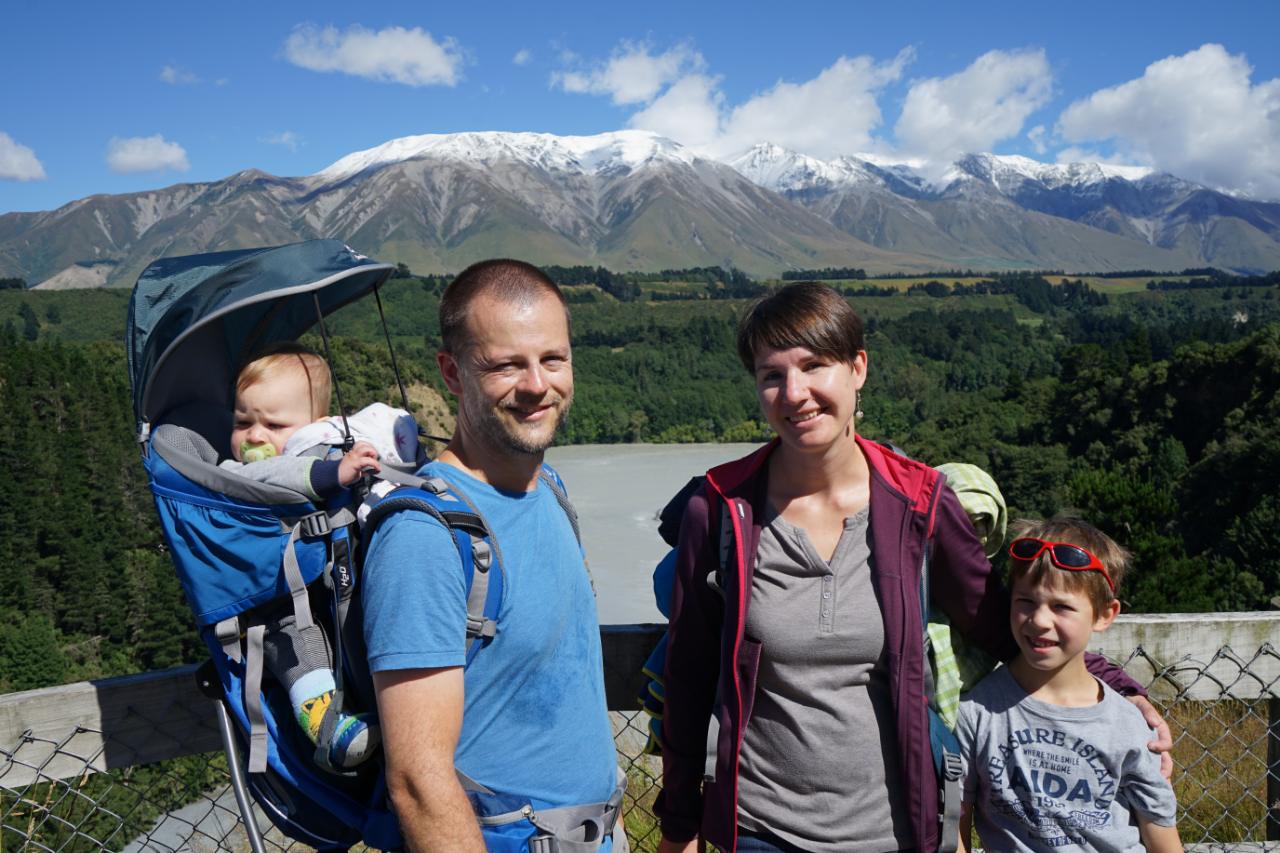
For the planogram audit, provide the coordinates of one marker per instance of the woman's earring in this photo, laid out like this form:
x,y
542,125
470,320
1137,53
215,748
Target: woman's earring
x,y
857,406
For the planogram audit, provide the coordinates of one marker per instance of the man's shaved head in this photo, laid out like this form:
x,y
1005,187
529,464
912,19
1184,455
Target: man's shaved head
x,y
502,279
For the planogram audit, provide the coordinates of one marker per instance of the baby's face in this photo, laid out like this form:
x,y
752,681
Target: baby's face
x,y
269,411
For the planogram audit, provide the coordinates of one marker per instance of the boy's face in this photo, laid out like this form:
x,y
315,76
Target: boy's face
x,y
1053,624
269,411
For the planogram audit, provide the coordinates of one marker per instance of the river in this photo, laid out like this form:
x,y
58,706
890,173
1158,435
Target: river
x,y
618,490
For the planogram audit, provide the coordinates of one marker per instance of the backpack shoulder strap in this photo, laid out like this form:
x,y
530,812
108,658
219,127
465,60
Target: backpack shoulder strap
x,y
942,740
726,550
549,476
476,545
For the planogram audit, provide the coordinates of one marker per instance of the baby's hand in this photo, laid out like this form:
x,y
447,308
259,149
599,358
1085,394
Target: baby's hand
x,y
356,461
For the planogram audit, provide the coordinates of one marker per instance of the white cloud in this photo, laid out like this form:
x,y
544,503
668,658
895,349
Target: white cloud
x,y
1075,154
18,162
973,110
633,74
392,55
1198,116
176,76
688,112
287,138
1036,136
832,114
522,57
145,154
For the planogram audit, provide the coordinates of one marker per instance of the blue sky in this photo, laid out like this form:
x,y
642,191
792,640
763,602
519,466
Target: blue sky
x,y
111,98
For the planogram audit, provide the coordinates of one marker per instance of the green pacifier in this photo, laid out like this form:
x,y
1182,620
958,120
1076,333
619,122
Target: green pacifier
x,y
250,452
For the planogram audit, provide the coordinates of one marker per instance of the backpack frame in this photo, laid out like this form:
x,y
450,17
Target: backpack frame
x,y
246,552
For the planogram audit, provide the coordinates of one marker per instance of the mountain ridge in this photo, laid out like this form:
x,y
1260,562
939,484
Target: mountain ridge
x,y
635,200
988,200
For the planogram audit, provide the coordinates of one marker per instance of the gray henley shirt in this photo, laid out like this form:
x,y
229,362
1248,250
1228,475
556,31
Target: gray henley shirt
x,y
819,761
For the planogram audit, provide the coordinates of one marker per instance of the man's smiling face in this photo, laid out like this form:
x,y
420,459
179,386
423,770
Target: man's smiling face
x,y
516,375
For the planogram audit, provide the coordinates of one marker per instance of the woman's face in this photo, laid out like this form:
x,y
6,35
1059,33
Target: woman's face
x,y
808,399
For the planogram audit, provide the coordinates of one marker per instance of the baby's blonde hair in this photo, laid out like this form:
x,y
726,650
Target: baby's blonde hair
x,y
289,356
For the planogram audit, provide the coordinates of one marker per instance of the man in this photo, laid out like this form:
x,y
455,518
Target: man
x,y
527,719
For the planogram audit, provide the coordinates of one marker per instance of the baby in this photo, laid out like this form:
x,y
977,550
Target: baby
x,y
277,395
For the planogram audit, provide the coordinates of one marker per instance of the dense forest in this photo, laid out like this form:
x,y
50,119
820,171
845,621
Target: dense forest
x,y
1153,413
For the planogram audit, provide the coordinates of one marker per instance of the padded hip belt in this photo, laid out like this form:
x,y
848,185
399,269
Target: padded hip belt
x,y
565,829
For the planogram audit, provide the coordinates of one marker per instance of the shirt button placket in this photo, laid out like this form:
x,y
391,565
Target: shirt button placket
x,y
828,604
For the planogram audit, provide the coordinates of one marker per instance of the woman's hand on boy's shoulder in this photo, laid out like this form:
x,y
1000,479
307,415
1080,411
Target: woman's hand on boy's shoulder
x,y
1163,743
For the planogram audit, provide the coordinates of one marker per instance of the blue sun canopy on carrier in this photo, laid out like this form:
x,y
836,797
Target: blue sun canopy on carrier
x,y
194,320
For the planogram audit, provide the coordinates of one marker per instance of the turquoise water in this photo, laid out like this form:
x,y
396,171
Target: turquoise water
x,y
618,490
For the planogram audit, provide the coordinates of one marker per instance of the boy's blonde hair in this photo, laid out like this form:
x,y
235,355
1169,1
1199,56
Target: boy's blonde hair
x,y
1073,531
285,357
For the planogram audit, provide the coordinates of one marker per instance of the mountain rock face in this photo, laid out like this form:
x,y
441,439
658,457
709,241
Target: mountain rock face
x,y
988,211
627,200
634,200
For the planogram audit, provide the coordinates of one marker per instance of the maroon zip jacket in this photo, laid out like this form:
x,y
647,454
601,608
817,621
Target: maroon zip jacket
x,y
909,504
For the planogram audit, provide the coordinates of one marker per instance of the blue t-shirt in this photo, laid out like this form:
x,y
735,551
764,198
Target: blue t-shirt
x,y
535,723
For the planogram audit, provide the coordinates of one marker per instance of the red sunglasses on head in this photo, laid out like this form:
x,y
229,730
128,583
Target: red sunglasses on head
x,y
1064,555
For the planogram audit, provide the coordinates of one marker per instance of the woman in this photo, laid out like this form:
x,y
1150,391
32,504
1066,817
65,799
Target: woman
x,y
799,571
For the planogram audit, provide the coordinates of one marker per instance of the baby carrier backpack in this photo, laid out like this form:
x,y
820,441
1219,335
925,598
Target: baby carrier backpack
x,y
953,665
244,551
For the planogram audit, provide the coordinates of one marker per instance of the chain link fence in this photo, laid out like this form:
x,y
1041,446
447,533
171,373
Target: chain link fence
x,y
95,789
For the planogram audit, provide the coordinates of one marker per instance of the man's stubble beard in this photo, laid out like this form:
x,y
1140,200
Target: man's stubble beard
x,y
504,435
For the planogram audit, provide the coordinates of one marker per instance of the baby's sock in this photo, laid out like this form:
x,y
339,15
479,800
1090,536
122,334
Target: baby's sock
x,y
354,736
310,696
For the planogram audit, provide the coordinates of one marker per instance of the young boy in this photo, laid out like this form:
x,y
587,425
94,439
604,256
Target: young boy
x,y
1053,757
276,395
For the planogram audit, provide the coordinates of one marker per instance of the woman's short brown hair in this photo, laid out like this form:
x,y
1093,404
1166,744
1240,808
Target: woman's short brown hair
x,y
1073,531
805,314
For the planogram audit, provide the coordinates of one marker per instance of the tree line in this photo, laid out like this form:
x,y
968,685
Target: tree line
x,y
1215,279
1031,289
825,274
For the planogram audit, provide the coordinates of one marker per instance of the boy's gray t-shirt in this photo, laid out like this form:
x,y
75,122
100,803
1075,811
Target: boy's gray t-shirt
x,y
1044,776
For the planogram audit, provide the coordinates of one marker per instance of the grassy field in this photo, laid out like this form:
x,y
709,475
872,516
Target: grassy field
x,y
1117,285
1220,776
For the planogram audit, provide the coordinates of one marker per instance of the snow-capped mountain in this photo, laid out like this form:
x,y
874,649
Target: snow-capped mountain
x,y
1006,209
626,200
626,150
780,170
635,200
1007,172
